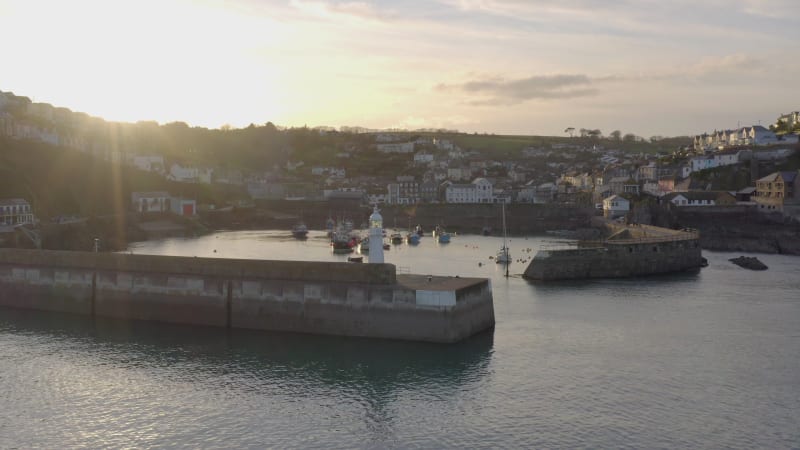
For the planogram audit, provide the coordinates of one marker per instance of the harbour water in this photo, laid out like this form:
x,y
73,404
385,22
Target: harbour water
x,y
704,360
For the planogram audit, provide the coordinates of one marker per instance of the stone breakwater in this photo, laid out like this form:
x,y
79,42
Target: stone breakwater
x,y
629,251
367,300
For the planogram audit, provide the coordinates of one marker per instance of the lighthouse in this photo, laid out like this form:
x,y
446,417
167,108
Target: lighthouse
x,y
376,237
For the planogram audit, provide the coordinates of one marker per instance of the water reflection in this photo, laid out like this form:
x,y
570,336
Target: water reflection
x,y
376,366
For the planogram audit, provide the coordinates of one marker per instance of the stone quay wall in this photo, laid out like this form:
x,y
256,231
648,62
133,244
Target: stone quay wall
x,y
368,300
626,258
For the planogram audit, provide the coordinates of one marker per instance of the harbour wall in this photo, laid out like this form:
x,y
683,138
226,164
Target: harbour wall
x,y
635,256
368,300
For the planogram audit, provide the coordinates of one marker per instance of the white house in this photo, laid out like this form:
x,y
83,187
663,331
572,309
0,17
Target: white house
x,y
461,193
615,206
148,163
791,119
701,198
757,135
150,202
443,144
422,158
189,174
483,190
15,211
458,173
396,147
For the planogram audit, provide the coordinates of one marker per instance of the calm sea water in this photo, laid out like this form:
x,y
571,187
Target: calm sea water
x,y
706,360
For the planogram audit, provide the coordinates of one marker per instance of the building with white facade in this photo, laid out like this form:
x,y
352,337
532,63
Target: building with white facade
x,y
479,191
396,147
701,198
189,174
423,158
615,206
484,192
15,211
792,119
461,193
147,163
405,192
150,202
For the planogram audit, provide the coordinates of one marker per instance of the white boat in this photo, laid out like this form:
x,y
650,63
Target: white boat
x,y
503,256
363,247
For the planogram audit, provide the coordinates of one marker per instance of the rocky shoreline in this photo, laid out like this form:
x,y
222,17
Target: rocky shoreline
x,y
783,244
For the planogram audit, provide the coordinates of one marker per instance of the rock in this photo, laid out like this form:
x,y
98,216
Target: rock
x,y
751,263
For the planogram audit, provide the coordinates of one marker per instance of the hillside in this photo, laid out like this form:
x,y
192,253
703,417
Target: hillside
x,y
59,181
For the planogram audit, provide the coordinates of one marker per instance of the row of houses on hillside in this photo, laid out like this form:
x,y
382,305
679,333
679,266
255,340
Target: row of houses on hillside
x,y
754,135
777,192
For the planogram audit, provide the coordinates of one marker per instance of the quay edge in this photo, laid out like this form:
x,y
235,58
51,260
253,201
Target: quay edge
x,y
364,300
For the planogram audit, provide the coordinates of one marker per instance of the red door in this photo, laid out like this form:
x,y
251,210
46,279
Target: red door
x,y
188,209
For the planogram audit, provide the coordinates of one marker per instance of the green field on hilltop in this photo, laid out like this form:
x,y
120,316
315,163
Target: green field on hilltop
x,y
500,145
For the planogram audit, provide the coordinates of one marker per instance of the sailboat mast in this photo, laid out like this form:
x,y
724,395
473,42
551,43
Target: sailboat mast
x,y
505,244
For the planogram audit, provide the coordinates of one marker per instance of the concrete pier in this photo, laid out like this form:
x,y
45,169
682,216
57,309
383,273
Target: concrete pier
x,y
630,251
369,300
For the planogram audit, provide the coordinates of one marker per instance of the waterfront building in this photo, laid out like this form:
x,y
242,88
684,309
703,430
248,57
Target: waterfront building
x,y
778,192
15,211
701,198
150,202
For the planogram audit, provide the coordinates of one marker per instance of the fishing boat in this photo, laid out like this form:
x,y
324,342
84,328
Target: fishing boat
x,y
341,242
443,237
503,256
397,238
300,231
412,238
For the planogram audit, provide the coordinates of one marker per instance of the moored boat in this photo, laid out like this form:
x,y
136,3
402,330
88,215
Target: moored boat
x,y
363,246
300,231
503,256
342,243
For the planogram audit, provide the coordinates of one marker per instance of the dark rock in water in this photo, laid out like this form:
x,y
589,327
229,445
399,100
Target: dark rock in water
x,y
751,263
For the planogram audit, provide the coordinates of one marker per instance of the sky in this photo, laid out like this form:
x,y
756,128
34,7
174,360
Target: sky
x,y
531,67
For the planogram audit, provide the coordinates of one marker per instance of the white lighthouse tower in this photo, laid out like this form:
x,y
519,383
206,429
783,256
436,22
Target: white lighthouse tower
x,y
376,237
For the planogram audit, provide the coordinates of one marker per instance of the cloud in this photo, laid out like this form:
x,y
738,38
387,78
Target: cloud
x,y
442,122
348,9
497,91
